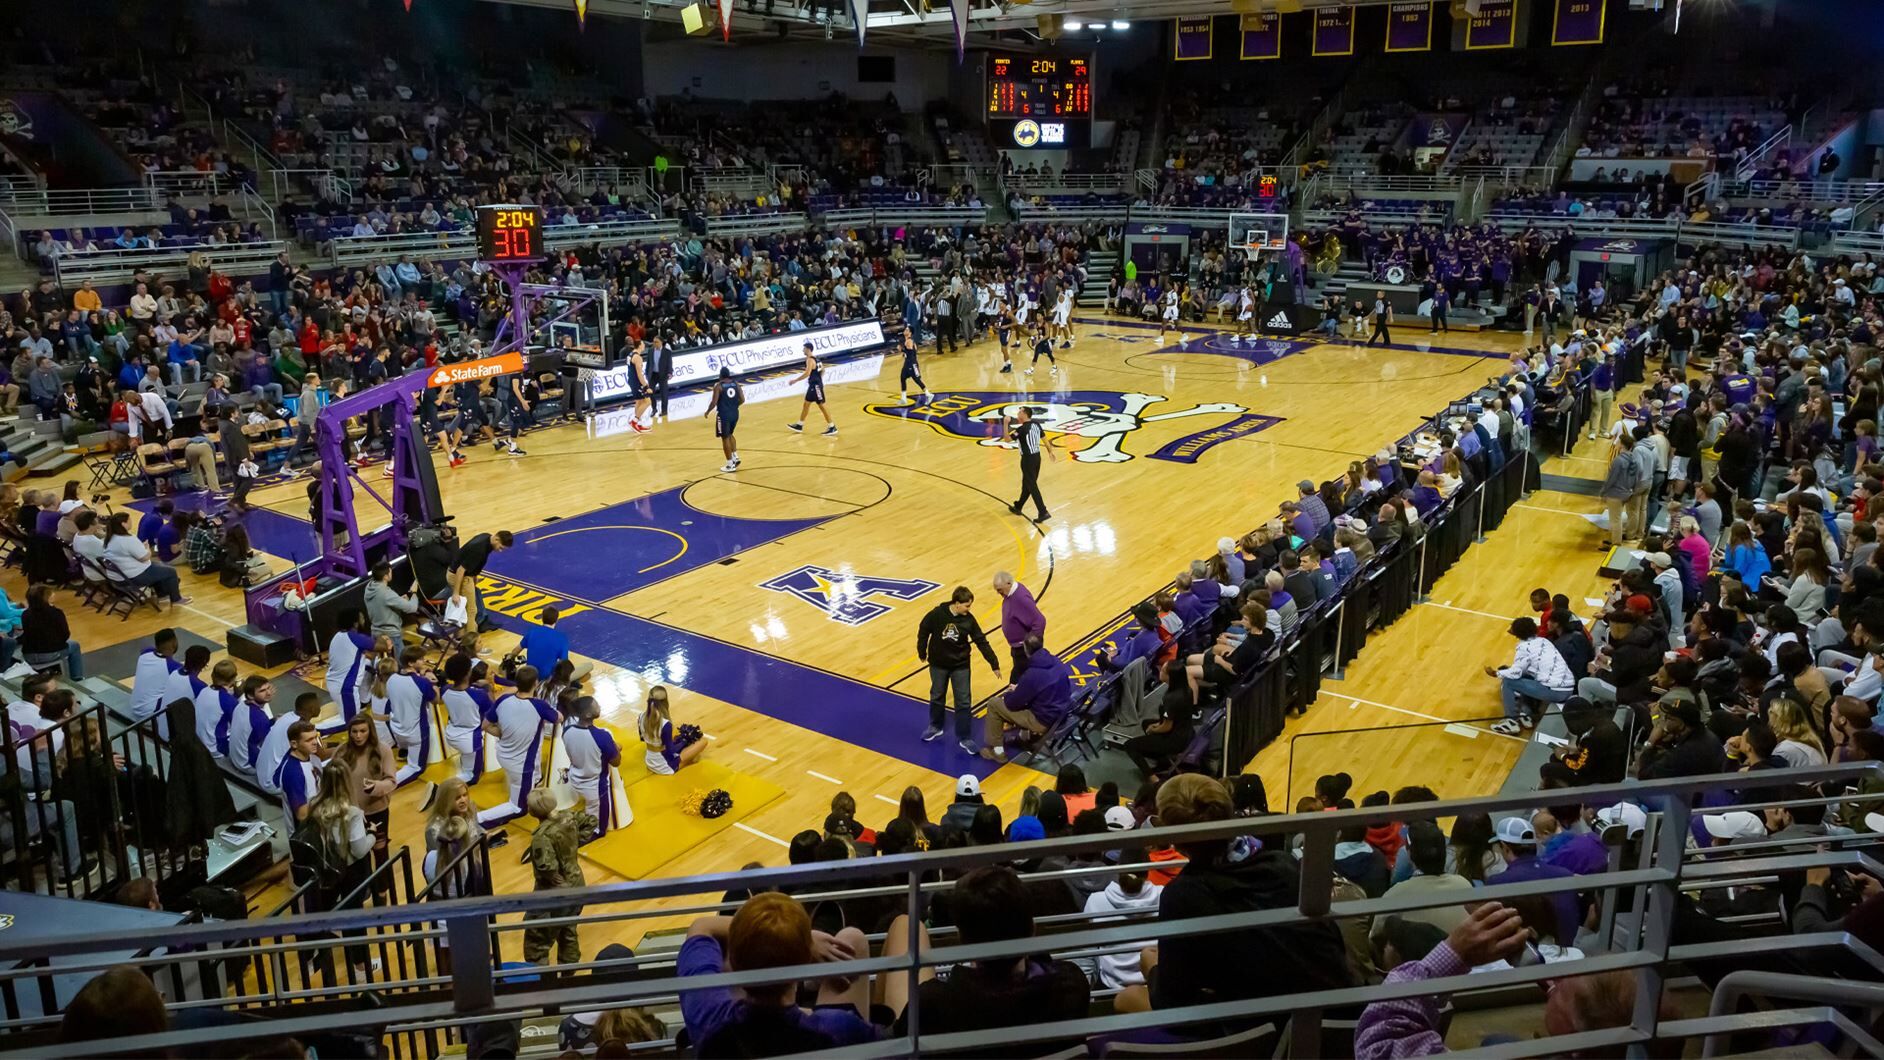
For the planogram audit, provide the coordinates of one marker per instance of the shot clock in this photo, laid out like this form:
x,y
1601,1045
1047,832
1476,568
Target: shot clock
x,y
510,233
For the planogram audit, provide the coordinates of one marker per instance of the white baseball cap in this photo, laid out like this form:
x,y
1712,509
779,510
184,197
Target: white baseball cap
x,y
1625,814
1739,824
1515,831
1120,819
967,786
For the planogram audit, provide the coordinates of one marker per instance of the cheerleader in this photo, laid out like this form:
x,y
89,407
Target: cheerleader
x,y
379,671
346,653
216,706
668,751
410,699
594,768
519,721
465,710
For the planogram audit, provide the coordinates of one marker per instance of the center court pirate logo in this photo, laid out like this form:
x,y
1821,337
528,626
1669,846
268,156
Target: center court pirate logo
x,y
844,597
1103,418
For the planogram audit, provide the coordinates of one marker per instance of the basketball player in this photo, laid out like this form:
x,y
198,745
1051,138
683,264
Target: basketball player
x,y
1029,439
1043,343
910,354
813,378
639,390
518,721
728,396
1005,331
1246,314
1169,320
465,708
517,412
1063,318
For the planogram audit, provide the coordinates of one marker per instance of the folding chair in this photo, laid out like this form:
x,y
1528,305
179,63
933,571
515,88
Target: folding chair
x,y
155,463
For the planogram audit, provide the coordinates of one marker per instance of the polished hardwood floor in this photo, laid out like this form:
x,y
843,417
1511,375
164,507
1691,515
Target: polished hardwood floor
x,y
1162,449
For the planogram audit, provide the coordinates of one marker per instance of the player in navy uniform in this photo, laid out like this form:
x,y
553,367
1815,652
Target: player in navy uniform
x,y
1043,343
638,389
727,397
910,353
813,379
1004,331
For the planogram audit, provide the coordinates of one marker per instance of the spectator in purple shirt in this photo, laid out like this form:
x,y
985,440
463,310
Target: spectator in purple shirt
x,y
259,377
1426,495
1516,842
1020,619
1301,524
771,930
1411,1026
1143,644
1581,852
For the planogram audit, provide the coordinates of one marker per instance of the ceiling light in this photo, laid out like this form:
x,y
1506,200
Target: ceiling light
x,y
1074,25
1119,23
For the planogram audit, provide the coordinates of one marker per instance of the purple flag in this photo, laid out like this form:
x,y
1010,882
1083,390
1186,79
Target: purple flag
x,y
958,13
1334,31
1578,22
1262,36
1410,27
1190,38
1495,26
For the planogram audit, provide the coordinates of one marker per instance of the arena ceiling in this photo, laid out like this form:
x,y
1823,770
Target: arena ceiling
x,y
926,22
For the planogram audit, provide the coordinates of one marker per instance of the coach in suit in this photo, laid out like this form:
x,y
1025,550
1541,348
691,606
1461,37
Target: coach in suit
x,y
660,364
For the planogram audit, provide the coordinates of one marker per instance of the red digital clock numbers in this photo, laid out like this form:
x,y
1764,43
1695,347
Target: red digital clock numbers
x,y
510,233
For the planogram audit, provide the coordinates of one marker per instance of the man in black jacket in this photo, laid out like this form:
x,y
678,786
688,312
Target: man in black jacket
x,y
942,641
1233,876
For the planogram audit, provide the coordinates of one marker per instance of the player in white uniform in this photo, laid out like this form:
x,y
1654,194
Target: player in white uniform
x,y
216,706
594,763
520,721
465,710
1246,313
1169,320
1063,318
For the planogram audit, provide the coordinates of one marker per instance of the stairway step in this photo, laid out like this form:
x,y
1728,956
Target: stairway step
x,y
53,464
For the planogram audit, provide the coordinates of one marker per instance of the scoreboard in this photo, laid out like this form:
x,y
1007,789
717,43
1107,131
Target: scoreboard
x,y
1036,86
1039,101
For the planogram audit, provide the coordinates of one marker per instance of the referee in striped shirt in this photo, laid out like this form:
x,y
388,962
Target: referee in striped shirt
x,y
1027,435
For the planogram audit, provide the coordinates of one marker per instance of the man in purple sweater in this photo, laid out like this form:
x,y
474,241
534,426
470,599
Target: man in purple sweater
x,y
1020,619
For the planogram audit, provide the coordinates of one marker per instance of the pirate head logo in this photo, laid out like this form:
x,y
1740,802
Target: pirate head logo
x,y
14,121
1439,132
1619,246
846,597
1091,424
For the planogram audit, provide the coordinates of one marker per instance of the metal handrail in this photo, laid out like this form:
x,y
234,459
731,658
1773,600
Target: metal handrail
x,y
912,214
103,265
188,182
1659,870
1746,166
351,250
1738,984
53,201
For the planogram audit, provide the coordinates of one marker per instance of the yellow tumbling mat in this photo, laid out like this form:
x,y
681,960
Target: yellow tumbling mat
x,y
661,832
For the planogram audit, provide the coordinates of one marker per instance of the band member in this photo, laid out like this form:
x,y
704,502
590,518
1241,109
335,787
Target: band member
x,y
728,395
813,378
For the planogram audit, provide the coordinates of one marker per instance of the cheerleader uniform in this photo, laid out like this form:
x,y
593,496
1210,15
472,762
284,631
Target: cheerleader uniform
x,y
520,725
591,750
410,716
465,709
345,653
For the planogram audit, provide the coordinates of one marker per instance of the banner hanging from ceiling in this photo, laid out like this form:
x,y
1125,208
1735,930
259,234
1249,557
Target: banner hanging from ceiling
x,y
1578,22
1190,38
1410,27
1262,36
1334,31
1495,26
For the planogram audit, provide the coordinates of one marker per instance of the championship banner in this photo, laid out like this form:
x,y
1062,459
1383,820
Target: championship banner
x,y
1190,38
1578,22
1262,36
1334,31
1410,27
1495,26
